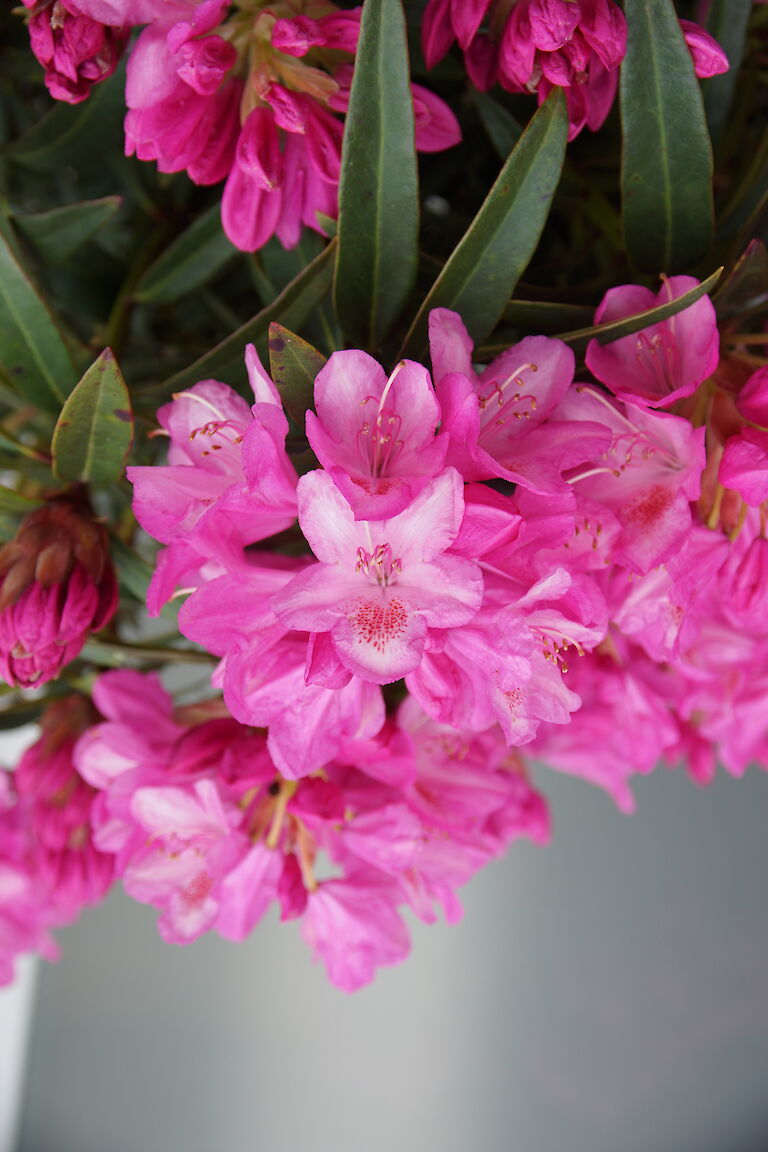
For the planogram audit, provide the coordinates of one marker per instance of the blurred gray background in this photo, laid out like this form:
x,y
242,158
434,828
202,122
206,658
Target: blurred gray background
x,y
607,992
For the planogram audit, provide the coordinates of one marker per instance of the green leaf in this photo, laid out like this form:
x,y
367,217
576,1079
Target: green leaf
x,y
11,501
24,713
194,258
73,132
378,189
34,359
544,316
482,271
93,434
727,22
627,325
745,289
293,366
133,571
666,170
55,235
226,361
501,126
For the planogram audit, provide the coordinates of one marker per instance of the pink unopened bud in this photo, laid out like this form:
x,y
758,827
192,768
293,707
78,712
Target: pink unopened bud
x,y
75,51
56,586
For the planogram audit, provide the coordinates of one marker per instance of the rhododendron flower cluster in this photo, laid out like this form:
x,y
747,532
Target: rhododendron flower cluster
x,y
465,488
538,45
253,94
202,824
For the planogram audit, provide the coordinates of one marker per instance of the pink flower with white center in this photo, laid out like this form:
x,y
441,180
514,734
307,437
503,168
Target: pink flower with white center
x,y
498,422
647,477
381,586
271,676
228,483
75,50
375,435
665,361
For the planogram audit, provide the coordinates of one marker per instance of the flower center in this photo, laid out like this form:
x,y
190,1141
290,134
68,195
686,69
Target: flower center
x,y
498,407
379,565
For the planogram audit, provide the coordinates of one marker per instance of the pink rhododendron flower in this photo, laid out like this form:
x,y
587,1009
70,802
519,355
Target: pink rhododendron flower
x,y
647,477
202,825
380,586
75,50
538,45
251,94
498,423
228,482
375,435
663,362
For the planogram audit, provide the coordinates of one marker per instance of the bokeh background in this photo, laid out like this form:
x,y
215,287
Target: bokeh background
x,y
606,992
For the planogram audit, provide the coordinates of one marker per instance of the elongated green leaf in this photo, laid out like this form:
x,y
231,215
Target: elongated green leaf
x,y
627,325
11,501
293,366
544,316
378,190
192,260
745,289
481,273
225,362
33,357
666,173
501,126
55,235
93,434
73,132
24,713
727,22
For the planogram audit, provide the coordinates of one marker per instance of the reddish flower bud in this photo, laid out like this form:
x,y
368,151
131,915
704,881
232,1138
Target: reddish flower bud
x,y
57,584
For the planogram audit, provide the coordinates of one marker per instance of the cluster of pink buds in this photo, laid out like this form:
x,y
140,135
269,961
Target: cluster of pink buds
x,y
538,45
253,93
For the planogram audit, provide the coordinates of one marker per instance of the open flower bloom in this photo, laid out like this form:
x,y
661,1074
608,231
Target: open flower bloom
x,y
380,586
499,423
665,361
375,435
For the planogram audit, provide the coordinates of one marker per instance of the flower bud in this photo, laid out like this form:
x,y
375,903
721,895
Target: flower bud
x,y
57,584
75,51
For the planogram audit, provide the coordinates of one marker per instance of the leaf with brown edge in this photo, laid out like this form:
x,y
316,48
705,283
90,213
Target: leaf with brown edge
x,y
94,432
